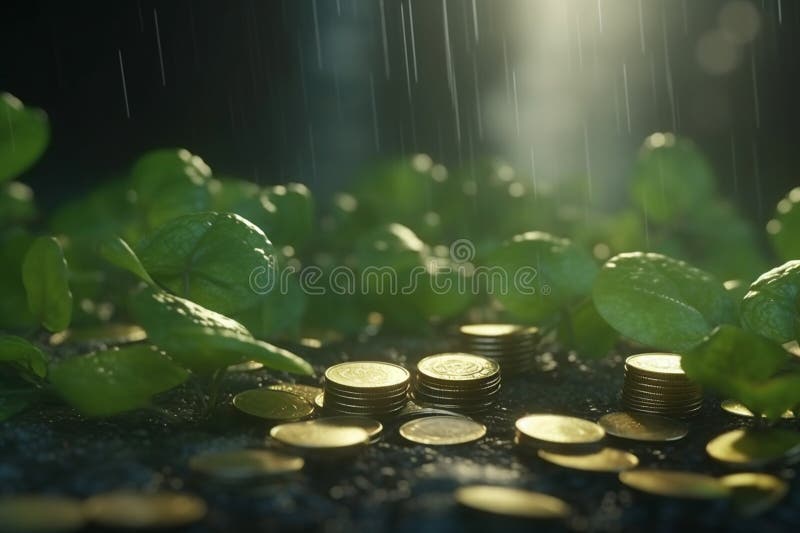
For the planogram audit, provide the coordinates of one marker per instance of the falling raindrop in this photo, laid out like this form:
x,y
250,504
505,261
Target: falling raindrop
x,y
385,41
124,85
641,24
413,40
375,133
160,54
757,107
475,20
316,33
405,52
627,98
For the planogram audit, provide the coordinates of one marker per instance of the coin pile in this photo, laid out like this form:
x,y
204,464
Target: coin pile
x,y
460,382
365,388
656,384
510,345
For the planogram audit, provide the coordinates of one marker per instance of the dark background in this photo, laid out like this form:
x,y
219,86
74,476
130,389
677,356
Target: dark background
x,y
247,85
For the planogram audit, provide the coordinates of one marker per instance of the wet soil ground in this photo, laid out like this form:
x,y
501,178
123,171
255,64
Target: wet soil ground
x,y
391,486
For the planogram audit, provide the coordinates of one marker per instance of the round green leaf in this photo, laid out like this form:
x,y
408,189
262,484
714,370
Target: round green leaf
x,y
202,340
659,301
169,183
114,381
210,259
769,308
17,350
671,177
784,229
24,134
291,223
45,275
543,274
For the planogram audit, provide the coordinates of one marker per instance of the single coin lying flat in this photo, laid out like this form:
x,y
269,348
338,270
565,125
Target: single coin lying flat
x,y
442,430
643,427
511,502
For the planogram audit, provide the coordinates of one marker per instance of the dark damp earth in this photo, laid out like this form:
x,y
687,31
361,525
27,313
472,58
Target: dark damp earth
x,y
390,486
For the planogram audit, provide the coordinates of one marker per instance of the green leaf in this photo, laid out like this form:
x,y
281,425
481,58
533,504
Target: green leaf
x,y
246,199
659,301
671,177
16,203
585,331
784,229
209,258
24,134
744,366
17,350
114,381
769,308
117,252
543,273
169,183
14,312
45,275
202,340
293,219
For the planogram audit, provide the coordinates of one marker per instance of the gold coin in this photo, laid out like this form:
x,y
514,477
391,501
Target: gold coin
x,y
307,392
272,404
442,430
559,429
247,366
656,364
674,484
606,460
736,408
40,514
126,509
236,465
754,447
371,426
643,427
496,330
754,493
367,375
316,436
456,367
511,502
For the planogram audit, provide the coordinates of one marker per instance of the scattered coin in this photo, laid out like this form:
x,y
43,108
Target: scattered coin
x,y
511,502
442,430
124,509
313,436
754,447
674,484
238,465
40,514
736,408
247,366
643,427
606,460
273,404
308,392
753,493
556,429
372,427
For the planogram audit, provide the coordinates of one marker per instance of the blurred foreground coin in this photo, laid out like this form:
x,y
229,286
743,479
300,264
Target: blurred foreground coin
x,y
240,465
736,408
606,460
40,514
511,502
545,429
323,440
442,430
753,447
273,405
753,492
125,509
674,484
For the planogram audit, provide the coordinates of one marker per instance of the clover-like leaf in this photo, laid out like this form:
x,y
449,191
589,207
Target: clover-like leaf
x,y
202,340
784,229
671,177
169,183
117,252
537,274
291,222
743,365
770,306
24,134
210,259
113,381
659,301
45,275
17,350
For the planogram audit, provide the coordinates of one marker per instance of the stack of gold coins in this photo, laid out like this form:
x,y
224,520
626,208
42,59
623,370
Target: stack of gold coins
x,y
457,381
656,384
365,388
511,346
